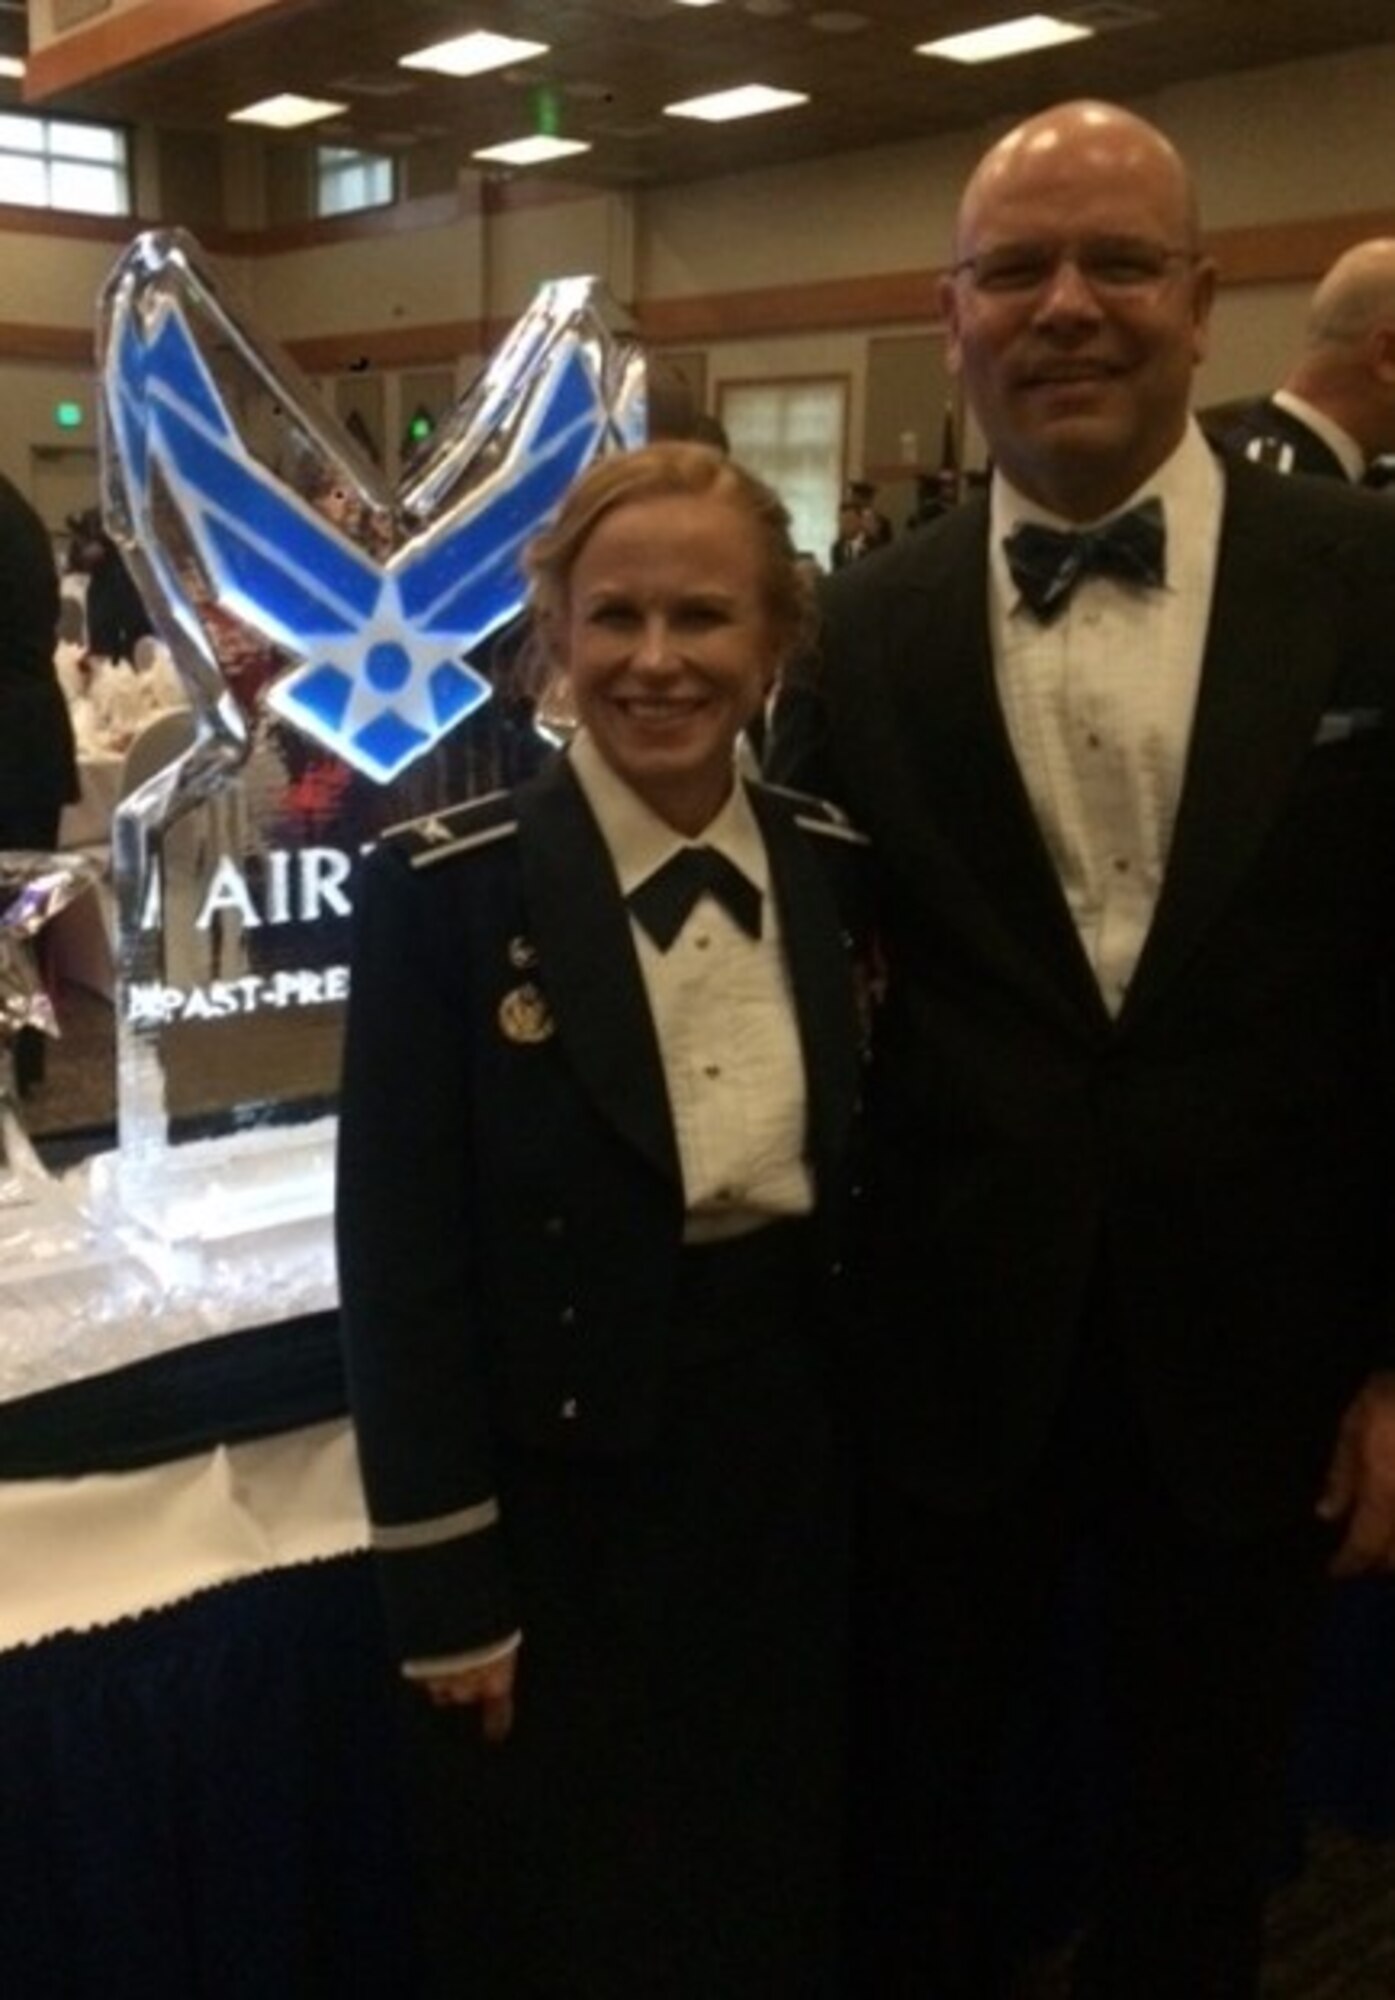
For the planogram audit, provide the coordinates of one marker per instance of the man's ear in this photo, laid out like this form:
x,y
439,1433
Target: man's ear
x,y
947,298
1203,299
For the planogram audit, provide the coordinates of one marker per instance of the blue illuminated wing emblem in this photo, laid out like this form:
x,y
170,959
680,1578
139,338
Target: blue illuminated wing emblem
x,y
380,647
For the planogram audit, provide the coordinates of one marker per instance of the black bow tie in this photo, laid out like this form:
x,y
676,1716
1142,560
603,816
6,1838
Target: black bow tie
x,y
1047,563
663,901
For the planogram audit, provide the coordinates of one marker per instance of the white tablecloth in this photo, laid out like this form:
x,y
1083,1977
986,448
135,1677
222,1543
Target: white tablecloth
x,y
88,823
78,1553
82,941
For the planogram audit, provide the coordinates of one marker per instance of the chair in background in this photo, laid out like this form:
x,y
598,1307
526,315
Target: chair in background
x,y
163,739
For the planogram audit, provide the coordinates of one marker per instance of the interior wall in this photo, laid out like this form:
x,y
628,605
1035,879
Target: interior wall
x,y
1262,153
29,394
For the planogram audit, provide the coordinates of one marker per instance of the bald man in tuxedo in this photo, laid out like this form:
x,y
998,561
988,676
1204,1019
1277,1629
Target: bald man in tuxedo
x,y
1122,730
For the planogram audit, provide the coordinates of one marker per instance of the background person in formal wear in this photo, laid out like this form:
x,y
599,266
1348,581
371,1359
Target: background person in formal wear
x,y
1131,1098
116,617
1335,413
593,1159
38,764
850,543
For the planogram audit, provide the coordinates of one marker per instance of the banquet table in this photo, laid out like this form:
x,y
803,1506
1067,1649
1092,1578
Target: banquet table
x,y
87,822
82,939
196,1705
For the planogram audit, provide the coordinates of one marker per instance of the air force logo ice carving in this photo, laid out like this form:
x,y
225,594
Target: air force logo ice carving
x,y
379,645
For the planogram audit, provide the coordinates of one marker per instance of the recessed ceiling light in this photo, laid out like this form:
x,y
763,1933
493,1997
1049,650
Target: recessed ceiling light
x,y
472,55
632,133
11,66
373,86
286,111
748,100
1007,38
697,3
530,152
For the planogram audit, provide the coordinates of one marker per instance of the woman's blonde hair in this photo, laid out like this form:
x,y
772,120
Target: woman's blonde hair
x,y
659,472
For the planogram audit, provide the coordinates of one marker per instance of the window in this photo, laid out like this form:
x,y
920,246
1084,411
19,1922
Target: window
x,y
346,179
793,435
55,163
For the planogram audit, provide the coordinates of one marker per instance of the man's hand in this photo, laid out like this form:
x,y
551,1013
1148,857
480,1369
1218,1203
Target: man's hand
x,y
1360,1487
488,1688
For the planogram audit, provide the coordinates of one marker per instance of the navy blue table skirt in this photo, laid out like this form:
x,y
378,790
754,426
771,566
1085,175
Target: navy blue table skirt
x,y
203,1803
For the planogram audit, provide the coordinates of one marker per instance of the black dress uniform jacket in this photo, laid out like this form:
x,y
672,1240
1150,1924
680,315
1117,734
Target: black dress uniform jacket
x,y
510,1200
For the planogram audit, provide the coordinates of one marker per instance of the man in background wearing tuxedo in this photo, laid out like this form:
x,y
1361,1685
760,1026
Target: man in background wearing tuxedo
x,y
1122,729
1335,414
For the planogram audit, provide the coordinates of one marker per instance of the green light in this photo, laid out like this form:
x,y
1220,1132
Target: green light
x,y
419,429
547,113
68,416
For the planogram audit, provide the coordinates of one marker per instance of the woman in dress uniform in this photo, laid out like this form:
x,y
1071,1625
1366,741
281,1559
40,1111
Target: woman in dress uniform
x,y
602,1061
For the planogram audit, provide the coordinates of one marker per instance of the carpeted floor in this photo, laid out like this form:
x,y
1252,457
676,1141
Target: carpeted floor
x,y
1332,1931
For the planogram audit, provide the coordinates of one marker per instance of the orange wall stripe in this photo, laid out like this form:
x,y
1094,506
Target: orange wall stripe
x,y
68,347
1268,254
117,41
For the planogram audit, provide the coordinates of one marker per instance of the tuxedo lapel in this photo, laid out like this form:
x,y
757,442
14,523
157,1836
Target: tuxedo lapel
x,y
1271,654
817,952
967,773
587,963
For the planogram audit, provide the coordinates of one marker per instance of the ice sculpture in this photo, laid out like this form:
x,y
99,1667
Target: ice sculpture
x,y
33,889
331,632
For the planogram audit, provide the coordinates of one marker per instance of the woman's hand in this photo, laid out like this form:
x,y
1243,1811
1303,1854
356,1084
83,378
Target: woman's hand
x,y
488,1688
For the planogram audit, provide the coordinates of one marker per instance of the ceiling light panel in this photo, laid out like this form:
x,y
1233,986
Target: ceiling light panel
x,y
286,111
747,100
1007,38
531,152
473,55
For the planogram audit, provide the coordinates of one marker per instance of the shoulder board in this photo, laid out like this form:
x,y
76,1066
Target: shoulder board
x,y
441,836
820,816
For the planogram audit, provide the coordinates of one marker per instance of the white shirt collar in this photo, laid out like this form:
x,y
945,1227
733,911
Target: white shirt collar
x,y
639,841
1340,443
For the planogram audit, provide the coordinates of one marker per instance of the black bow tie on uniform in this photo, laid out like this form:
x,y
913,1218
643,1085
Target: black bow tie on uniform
x,y
1047,563
663,901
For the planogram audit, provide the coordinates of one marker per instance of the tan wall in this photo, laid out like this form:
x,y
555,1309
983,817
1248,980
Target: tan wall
x,y
28,395
415,279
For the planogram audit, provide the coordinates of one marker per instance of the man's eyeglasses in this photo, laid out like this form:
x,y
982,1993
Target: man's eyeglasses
x,y
1110,267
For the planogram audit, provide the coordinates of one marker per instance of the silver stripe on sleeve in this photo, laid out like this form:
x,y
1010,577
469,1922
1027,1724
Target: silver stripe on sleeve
x,y
395,1540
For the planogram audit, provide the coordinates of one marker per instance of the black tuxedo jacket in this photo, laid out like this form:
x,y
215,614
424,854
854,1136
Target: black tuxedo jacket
x,y
1270,435
510,1200
1210,1173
